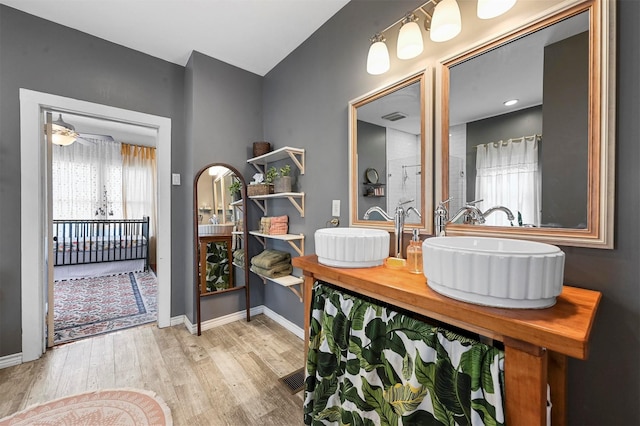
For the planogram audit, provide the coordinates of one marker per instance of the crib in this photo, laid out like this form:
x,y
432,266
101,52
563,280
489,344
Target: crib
x,y
83,248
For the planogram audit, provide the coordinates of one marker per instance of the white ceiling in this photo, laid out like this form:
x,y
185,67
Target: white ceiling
x,y
254,35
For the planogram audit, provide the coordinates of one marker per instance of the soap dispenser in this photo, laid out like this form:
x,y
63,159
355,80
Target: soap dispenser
x,y
414,254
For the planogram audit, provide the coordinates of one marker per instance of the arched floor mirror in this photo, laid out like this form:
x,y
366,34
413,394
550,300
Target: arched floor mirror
x,y
220,234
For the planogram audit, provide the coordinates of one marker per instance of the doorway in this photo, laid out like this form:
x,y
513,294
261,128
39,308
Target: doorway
x,y
35,165
104,210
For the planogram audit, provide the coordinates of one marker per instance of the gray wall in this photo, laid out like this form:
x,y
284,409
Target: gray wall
x,y
39,55
224,117
305,104
565,132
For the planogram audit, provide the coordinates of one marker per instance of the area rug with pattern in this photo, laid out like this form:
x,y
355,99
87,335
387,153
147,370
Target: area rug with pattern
x,y
91,306
124,407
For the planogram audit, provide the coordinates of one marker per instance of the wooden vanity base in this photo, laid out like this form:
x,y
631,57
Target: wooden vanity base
x,y
537,341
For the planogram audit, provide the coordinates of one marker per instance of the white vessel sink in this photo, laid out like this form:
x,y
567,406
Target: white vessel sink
x,y
496,272
215,229
352,247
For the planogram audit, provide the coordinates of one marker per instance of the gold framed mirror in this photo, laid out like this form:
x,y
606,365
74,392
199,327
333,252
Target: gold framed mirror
x,y
549,163
390,152
220,234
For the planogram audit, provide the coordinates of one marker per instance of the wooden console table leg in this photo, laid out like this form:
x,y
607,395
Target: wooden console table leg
x,y
307,287
525,371
558,384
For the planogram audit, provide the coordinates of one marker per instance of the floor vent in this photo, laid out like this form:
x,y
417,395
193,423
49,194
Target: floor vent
x,y
294,381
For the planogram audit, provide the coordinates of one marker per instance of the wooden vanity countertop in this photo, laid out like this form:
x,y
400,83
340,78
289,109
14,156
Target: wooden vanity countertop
x,y
563,328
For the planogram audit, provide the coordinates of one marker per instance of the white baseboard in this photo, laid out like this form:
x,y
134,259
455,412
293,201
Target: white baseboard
x,y
180,319
284,322
237,316
10,360
217,322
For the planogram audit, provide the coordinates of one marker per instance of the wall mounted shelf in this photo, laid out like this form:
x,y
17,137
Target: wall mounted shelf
x,y
295,240
288,281
296,198
295,154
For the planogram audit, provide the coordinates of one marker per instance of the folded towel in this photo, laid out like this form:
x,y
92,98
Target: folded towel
x,y
278,228
265,224
238,257
279,219
269,257
284,269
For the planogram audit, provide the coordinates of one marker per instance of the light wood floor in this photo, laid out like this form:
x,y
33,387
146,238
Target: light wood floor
x,y
227,376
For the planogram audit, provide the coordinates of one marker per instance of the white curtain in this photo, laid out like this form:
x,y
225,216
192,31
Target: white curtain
x,y
507,174
139,187
87,180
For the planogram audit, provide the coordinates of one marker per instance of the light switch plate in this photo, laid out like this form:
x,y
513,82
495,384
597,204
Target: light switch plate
x,y
335,208
175,178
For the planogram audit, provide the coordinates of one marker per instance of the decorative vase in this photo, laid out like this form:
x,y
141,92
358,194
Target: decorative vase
x,y
282,184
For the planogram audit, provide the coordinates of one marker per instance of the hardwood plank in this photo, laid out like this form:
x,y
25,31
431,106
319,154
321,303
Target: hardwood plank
x,y
126,364
227,376
10,384
77,360
46,380
102,363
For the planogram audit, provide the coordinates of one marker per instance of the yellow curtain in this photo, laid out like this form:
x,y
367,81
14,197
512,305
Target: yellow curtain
x,y
139,190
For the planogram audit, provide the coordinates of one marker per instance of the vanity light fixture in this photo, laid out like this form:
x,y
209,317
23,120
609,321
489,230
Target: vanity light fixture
x,y
510,102
410,42
441,18
63,133
446,22
378,58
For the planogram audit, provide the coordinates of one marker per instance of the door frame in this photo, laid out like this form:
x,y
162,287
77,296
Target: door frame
x,y
35,215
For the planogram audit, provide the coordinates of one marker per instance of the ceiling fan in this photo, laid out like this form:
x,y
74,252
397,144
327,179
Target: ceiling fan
x,y
65,134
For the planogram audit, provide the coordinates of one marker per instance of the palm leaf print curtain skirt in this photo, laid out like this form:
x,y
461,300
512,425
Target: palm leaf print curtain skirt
x,y
370,365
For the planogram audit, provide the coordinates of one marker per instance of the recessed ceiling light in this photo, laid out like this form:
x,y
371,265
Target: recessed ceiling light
x,y
510,102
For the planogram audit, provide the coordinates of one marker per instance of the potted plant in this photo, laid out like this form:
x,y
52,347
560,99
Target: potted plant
x,y
282,182
234,190
271,175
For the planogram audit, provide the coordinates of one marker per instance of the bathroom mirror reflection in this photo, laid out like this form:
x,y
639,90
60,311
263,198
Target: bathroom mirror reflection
x,y
219,233
541,159
388,148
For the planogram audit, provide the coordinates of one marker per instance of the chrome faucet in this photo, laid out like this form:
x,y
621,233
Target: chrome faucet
x,y
440,218
377,210
398,221
508,212
470,213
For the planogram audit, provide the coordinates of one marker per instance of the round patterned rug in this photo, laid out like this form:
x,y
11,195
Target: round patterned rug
x,y
105,407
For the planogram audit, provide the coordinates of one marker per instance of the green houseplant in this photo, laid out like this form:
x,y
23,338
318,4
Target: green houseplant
x,y
282,182
234,189
271,175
